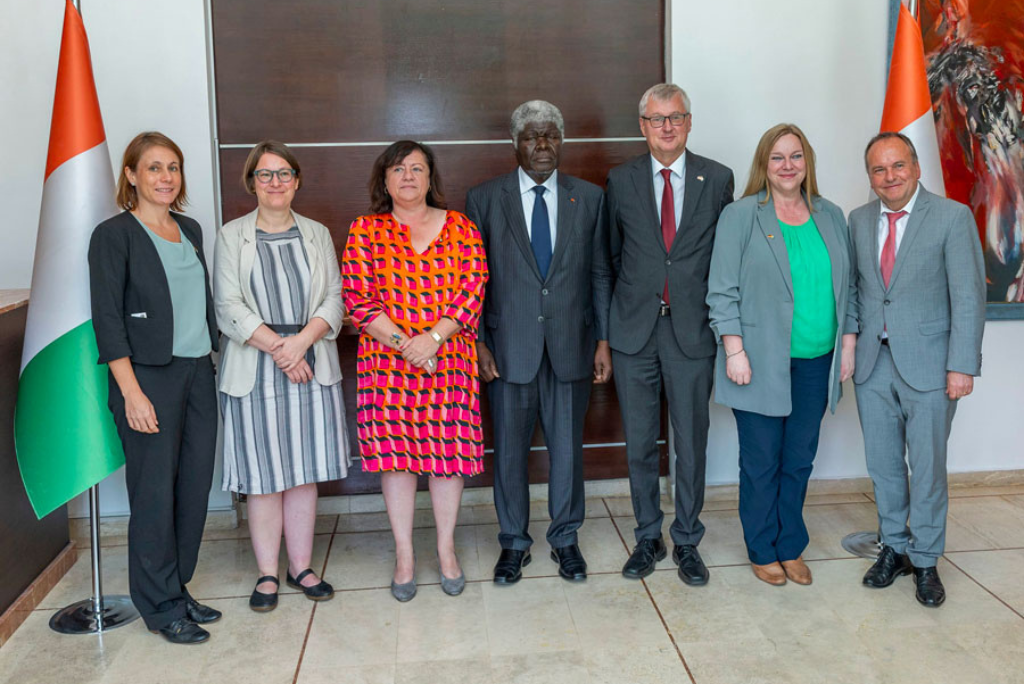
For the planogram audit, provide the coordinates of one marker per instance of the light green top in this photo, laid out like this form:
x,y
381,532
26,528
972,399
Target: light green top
x,y
187,282
814,302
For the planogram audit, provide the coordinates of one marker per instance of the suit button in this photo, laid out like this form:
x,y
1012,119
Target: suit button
x,y
540,319
668,262
544,292
886,302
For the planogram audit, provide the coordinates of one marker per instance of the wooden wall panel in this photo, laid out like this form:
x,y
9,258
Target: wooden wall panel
x,y
326,70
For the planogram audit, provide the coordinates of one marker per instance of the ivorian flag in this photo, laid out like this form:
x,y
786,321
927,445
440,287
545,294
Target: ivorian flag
x,y
908,104
63,432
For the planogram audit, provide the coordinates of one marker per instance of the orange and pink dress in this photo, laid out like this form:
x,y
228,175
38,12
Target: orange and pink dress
x,y
408,419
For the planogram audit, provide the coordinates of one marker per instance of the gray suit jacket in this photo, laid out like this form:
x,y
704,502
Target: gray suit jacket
x,y
750,293
568,310
934,307
642,263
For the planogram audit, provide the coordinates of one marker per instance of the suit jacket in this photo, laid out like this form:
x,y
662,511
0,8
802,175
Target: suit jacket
x,y
131,300
237,308
641,262
568,310
750,292
934,307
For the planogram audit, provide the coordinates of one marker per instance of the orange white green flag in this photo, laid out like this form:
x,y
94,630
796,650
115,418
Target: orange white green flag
x,y
63,432
908,104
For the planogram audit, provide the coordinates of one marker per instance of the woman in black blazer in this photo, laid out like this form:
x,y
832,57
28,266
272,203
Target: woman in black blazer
x,y
155,328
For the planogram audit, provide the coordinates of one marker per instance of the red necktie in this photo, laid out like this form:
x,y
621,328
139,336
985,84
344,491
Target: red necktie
x,y
668,219
888,259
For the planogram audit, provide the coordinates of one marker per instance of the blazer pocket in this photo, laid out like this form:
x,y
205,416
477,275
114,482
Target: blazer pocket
x,y
939,325
491,320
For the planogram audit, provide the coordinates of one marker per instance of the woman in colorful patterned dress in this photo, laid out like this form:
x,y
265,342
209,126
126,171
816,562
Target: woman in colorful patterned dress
x,y
414,277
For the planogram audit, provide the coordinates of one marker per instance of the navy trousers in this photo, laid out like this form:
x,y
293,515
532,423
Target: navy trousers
x,y
776,458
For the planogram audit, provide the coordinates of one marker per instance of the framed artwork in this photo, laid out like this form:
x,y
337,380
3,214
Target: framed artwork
x,y
974,51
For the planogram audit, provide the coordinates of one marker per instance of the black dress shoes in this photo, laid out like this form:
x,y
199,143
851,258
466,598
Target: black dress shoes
x,y
691,566
571,565
645,556
887,568
200,614
321,591
183,631
264,603
509,568
930,591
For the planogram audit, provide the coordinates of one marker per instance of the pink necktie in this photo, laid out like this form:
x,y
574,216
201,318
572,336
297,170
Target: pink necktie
x,y
668,219
888,259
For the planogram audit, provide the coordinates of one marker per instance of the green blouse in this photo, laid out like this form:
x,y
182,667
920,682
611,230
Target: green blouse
x,y
187,282
814,303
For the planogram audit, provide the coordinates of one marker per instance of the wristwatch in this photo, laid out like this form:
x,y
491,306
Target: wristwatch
x,y
437,337
396,338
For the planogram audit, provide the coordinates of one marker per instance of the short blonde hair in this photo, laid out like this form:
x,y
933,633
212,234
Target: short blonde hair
x,y
758,180
127,196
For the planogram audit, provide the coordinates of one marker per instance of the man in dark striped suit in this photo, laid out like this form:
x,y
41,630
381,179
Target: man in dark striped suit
x,y
543,341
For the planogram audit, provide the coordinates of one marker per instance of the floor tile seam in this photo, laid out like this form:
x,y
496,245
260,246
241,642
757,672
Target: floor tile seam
x,y
1008,548
312,613
973,530
989,591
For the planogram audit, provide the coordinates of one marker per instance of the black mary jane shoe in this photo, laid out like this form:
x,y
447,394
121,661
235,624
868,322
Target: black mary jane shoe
x,y
318,592
200,614
264,603
183,631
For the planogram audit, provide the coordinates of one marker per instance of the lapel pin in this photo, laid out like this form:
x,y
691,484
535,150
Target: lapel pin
x,y
700,178
572,199
770,236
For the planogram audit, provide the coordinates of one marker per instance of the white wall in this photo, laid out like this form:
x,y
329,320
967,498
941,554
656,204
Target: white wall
x,y
149,62
745,65
748,66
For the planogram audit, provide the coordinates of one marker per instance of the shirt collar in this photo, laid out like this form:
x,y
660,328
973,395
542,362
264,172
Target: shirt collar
x,y
527,184
909,207
676,167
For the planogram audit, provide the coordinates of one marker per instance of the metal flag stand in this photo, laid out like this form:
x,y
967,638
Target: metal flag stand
x,y
863,544
99,613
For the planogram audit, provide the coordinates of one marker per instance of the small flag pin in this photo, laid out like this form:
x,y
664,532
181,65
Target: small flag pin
x,y
770,236
700,178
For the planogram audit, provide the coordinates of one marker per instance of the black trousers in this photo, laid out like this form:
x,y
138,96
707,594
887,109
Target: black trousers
x,y
638,381
169,476
562,407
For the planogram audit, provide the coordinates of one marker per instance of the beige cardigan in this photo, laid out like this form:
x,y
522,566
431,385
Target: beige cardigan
x,y
236,305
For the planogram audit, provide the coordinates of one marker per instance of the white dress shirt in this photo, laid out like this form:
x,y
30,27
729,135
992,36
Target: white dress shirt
x,y
529,197
901,223
678,169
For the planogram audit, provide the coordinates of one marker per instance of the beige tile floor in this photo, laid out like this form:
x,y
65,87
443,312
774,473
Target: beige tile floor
x,y
609,630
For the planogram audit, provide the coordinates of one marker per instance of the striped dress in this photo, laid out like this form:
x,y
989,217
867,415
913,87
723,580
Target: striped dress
x,y
408,419
282,434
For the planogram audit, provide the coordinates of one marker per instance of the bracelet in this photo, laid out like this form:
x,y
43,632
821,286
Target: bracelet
x,y
437,337
729,356
396,338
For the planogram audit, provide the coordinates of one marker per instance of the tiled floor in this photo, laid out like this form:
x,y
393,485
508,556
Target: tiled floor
x,y
736,630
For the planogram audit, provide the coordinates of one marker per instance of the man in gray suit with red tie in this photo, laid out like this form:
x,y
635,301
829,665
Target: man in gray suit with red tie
x,y
663,208
544,335
920,281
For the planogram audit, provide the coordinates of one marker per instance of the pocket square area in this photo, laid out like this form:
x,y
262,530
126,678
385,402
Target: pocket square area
x,y
140,314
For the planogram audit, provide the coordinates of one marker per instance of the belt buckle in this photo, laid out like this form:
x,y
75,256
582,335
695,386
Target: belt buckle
x,y
663,310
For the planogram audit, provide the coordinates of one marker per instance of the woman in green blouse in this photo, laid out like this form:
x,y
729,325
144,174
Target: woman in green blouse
x,y
784,310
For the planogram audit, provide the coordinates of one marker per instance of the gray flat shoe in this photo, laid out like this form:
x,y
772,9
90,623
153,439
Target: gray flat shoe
x,y
453,587
403,592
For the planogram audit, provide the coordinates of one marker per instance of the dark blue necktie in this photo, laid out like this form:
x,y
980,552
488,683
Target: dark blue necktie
x,y
540,236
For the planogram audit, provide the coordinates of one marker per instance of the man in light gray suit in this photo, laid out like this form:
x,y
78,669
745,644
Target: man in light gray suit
x,y
543,341
921,286
663,208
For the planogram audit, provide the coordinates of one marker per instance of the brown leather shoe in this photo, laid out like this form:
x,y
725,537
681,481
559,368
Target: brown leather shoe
x,y
797,571
772,573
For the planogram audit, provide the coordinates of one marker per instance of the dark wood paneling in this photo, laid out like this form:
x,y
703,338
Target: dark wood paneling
x,y
324,70
27,545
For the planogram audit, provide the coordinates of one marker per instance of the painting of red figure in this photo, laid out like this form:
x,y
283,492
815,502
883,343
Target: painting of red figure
x,y
975,55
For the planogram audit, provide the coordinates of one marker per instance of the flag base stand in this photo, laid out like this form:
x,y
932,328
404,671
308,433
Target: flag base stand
x,y
863,544
100,613
83,618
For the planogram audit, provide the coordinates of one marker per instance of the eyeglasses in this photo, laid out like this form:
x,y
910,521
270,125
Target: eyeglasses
x,y
266,175
677,119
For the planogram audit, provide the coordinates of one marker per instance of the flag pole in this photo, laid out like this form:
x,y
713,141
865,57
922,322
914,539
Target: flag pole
x,y
98,613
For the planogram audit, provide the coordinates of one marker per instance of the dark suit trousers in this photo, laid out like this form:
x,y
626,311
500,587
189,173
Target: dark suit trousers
x,y
776,458
168,475
638,381
562,407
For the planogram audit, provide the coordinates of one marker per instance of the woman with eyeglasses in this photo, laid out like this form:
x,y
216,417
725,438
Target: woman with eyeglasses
x,y
152,312
278,301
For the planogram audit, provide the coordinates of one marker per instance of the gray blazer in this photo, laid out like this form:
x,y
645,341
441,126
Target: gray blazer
x,y
934,308
567,311
750,292
642,264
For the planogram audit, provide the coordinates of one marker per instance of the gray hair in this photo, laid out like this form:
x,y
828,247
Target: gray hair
x,y
663,92
536,112
889,135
